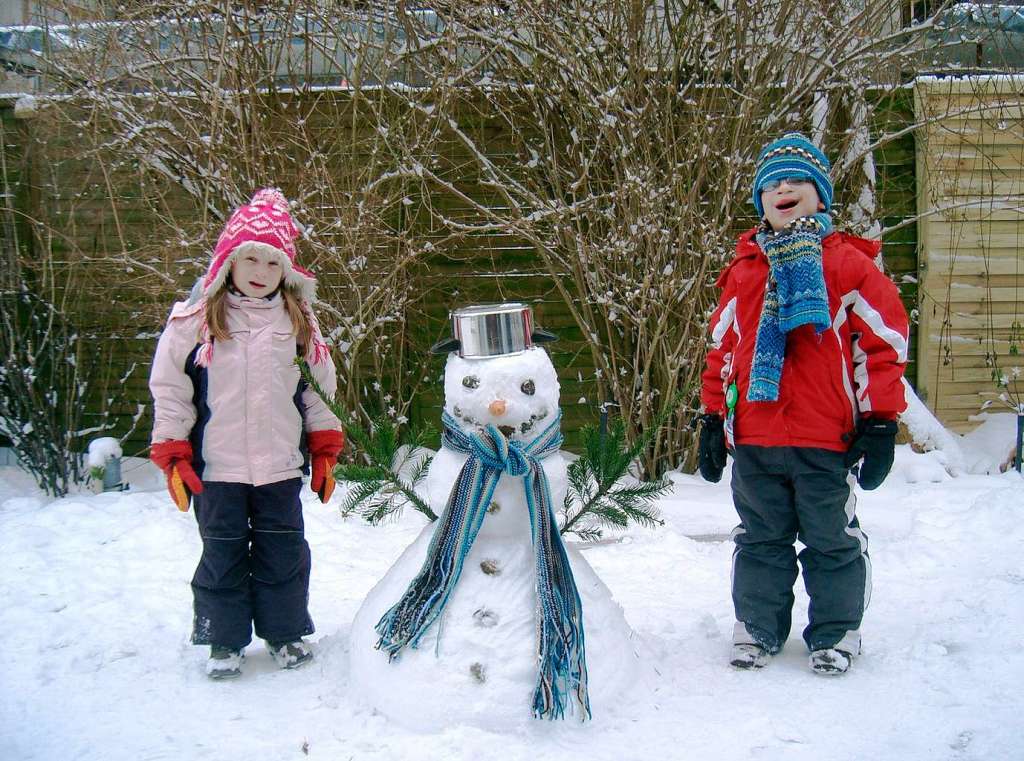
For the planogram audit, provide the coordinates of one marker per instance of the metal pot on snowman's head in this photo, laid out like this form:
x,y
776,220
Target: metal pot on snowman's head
x,y
492,330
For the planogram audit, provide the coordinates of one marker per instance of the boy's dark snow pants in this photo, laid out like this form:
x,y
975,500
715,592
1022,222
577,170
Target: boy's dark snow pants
x,y
255,564
783,494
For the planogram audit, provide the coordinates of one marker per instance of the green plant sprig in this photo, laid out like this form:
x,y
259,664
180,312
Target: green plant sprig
x,y
378,492
594,480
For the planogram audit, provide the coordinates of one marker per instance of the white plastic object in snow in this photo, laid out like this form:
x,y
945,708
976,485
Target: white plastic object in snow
x,y
104,461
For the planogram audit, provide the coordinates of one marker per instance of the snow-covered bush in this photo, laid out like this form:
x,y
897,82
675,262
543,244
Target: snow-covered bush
x,y
49,377
634,129
614,138
180,110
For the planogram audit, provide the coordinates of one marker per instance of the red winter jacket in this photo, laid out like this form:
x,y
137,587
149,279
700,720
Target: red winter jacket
x,y
853,369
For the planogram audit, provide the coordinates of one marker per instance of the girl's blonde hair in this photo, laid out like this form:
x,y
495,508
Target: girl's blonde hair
x,y
216,315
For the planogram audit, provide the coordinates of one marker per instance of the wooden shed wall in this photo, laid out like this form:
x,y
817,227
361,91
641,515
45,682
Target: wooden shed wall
x,y
970,159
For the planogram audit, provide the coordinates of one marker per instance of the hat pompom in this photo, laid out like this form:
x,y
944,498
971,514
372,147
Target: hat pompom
x,y
269,197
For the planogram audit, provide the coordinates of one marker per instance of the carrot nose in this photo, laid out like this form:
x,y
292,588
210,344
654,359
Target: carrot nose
x,y
497,407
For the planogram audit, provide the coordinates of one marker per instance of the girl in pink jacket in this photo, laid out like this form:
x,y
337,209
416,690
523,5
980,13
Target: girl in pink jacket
x,y
232,420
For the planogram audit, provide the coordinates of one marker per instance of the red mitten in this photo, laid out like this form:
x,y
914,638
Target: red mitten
x,y
324,447
174,458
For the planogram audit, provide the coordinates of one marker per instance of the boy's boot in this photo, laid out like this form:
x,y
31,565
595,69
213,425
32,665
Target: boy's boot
x,y
747,654
224,662
830,662
290,655
748,657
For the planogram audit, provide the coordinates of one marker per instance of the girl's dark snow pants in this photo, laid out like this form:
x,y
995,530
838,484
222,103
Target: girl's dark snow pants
x,y
255,565
783,494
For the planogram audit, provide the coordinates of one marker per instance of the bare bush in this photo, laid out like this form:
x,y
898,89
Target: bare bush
x,y
195,105
636,126
631,129
50,374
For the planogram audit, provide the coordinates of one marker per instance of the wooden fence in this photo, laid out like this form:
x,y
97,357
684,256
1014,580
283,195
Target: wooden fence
x,y
970,163
98,212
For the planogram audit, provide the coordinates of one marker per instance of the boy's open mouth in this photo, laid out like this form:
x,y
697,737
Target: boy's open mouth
x,y
786,205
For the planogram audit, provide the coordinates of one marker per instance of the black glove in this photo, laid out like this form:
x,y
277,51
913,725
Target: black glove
x,y
875,441
711,448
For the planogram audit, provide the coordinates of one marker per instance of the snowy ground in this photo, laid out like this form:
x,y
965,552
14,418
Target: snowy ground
x,y
97,614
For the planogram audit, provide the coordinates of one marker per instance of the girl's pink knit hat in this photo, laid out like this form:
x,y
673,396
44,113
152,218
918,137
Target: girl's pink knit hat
x,y
266,223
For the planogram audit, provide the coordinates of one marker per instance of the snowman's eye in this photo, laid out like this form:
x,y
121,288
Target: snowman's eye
x,y
528,388
471,381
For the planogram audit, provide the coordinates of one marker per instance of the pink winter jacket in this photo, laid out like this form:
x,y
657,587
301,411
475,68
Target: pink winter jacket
x,y
251,424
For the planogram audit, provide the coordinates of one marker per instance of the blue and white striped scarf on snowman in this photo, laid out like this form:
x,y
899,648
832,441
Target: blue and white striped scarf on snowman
x,y
560,642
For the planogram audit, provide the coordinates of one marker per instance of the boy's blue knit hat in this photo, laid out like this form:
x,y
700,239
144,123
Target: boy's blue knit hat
x,y
792,155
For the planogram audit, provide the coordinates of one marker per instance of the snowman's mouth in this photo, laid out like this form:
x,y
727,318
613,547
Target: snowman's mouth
x,y
527,425
508,431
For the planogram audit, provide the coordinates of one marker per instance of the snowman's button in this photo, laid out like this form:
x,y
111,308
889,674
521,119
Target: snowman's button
x,y
490,567
478,672
494,507
485,619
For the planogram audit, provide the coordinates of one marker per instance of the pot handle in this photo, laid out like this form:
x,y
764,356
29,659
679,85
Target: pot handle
x,y
445,345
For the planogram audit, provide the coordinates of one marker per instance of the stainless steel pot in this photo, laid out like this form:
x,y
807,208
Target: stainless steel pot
x,y
492,330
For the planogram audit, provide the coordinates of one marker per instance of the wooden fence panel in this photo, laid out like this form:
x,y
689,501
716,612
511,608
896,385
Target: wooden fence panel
x,y
970,160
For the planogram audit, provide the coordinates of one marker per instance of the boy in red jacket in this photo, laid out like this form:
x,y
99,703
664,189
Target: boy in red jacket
x,y
804,379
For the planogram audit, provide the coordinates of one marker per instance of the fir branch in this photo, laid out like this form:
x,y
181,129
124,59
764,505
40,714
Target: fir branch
x,y
588,534
593,480
378,486
378,510
640,511
357,495
355,472
420,468
609,515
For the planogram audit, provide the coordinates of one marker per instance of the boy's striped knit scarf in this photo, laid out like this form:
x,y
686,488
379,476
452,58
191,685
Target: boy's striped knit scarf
x,y
560,645
795,296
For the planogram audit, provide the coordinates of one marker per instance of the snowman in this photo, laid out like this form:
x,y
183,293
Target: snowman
x,y
482,619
